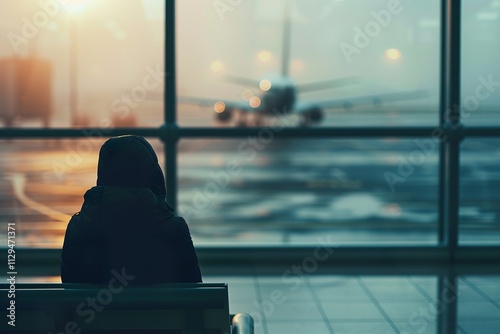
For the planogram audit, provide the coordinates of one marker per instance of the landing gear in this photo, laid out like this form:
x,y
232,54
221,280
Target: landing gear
x,y
304,121
259,121
242,123
46,121
242,120
8,121
311,116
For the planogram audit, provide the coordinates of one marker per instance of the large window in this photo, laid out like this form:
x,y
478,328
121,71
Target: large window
x,y
363,63
294,191
100,62
480,70
277,122
479,182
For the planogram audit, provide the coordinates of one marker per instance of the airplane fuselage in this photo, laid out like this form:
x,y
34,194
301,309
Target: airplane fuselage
x,y
280,98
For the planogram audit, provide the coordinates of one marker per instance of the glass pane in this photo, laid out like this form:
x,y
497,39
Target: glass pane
x,y
332,63
43,183
480,191
480,70
81,63
259,191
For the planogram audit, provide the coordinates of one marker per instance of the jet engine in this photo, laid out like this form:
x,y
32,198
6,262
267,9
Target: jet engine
x,y
224,115
313,115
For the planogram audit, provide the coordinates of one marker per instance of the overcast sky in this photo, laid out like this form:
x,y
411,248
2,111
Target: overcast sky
x,y
118,39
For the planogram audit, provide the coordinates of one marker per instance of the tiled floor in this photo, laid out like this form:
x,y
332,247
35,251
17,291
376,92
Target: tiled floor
x,y
360,304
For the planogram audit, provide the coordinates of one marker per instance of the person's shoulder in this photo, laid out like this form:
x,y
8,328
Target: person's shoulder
x,y
94,194
75,220
75,217
181,222
182,226
169,224
74,228
173,220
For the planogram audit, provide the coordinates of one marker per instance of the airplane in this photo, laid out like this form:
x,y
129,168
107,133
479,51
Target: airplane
x,y
279,95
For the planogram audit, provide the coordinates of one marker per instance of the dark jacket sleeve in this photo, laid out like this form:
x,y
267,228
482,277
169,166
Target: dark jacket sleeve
x,y
79,260
187,269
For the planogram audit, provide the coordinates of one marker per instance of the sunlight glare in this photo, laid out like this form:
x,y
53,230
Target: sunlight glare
x,y
75,7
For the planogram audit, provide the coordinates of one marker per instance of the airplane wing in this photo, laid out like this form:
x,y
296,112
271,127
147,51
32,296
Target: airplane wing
x,y
329,84
241,81
206,102
228,104
376,100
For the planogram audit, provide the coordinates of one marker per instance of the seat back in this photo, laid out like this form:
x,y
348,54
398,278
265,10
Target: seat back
x,y
81,309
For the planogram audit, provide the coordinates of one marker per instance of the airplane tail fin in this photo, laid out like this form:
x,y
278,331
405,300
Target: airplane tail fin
x,y
285,62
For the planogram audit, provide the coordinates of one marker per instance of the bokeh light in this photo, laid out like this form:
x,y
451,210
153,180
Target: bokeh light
x,y
247,94
393,54
264,56
298,65
254,102
217,66
219,107
265,85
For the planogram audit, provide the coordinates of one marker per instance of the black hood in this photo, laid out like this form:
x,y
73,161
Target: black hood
x,y
130,161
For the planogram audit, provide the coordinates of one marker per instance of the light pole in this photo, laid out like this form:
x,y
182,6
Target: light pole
x,y
74,8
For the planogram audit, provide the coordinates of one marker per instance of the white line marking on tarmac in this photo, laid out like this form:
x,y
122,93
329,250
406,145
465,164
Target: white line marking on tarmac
x,y
18,183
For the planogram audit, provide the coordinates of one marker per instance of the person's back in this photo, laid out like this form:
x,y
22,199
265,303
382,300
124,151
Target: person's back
x,y
125,226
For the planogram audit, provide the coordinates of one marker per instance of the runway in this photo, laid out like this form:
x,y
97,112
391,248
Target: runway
x,y
283,191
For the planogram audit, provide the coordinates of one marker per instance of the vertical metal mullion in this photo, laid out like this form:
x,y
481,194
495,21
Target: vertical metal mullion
x,y
452,153
450,159
454,138
73,26
442,118
450,121
170,134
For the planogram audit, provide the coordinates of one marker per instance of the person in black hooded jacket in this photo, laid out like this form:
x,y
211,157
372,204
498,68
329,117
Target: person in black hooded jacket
x,y
126,226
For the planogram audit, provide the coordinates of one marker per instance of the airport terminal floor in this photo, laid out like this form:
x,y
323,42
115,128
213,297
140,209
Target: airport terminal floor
x,y
362,304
